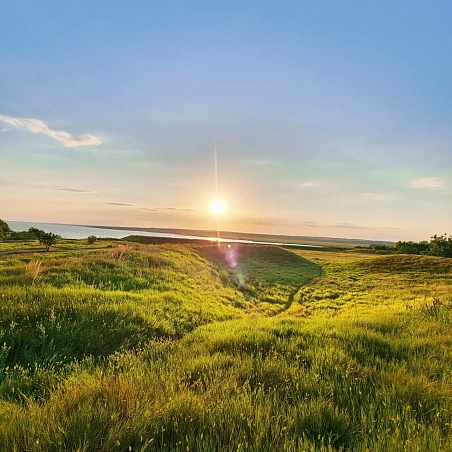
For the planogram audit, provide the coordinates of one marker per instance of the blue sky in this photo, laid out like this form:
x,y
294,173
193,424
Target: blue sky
x,y
331,118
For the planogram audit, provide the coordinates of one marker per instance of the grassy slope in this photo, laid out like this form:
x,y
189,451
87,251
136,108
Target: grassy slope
x,y
173,348
61,245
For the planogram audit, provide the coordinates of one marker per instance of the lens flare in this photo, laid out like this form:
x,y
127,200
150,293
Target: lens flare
x,y
232,258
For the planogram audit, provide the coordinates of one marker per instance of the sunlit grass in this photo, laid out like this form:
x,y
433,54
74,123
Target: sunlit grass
x,y
164,348
60,245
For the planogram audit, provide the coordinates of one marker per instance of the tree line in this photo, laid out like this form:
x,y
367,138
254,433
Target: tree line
x,y
439,245
45,238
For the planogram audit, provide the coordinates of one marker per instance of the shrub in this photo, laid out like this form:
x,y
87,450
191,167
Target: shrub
x,y
411,247
5,230
441,245
21,236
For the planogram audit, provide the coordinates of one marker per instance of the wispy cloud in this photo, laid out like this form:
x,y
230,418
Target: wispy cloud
x,y
357,226
167,209
120,204
73,190
5,129
311,224
37,126
348,226
428,182
310,184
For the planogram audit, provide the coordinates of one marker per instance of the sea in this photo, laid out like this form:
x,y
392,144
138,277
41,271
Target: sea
x,y
73,231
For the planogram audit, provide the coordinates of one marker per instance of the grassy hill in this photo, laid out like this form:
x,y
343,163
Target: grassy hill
x,y
200,347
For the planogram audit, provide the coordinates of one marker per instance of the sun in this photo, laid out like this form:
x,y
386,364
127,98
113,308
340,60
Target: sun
x,y
217,206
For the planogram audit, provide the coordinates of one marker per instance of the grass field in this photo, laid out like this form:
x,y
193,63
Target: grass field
x,y
119,347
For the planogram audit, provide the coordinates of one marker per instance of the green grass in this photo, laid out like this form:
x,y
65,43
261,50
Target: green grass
x,y
267,275
61,245
172,348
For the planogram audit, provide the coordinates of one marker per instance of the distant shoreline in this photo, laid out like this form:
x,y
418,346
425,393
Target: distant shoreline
x,y
231,235
83,230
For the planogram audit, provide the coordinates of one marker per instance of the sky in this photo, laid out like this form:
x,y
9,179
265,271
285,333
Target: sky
x,y
330,118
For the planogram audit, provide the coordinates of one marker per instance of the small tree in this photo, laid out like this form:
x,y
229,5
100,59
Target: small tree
x,y
48,239
5,230
91,239
45,238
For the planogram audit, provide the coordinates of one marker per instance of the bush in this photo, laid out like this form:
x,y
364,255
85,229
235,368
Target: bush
x,y
21,235
5,230
412,247
441,245
91,239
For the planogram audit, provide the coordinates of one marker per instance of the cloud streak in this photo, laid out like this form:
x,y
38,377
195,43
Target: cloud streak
x,y
347,226
37,126
73,190
356,226
120,204
311,224
167,209
310,184
428,182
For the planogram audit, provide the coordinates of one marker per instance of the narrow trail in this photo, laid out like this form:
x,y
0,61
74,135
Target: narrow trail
x,y
291,298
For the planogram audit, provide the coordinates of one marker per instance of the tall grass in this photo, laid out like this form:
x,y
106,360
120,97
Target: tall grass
x,y
357,358
32,271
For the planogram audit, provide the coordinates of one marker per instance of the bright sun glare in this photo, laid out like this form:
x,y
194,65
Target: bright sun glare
x,y
217,206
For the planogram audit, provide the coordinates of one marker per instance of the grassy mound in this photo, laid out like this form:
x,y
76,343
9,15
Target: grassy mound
x,y
410,263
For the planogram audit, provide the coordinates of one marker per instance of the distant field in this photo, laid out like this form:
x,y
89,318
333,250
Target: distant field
x,y
121,346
